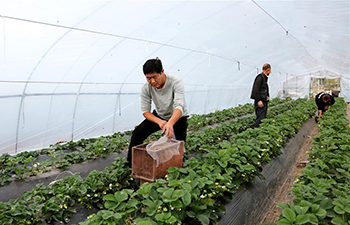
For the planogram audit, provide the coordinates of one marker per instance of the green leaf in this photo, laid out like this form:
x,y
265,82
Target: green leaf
x,y
146,222
133,202
153,207
118,216
186,199
203,218
339,210
177,194
301,219
284,222
144,189
172,169
289,214
171,220
347,208
163,217
167,194
326,203
222,164
107,214
191,214
283,205
147,202
338,221
187,187
177,204
111,205
174,183
321,213
109,197
300,210
312,218
121,196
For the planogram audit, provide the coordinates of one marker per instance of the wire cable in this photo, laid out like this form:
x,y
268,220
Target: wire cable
x,y
287,32
124,37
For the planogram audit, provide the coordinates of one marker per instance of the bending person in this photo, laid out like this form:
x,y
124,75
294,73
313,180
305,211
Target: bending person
x,y
323,101
170,114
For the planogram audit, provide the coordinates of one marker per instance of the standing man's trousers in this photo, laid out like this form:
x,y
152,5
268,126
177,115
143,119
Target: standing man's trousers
x,y
260,112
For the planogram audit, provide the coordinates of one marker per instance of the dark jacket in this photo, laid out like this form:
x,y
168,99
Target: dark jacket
x,y
260,89
320,103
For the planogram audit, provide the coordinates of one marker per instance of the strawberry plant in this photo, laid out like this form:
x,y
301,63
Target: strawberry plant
x,y
211,177
322,193
194,194
56,202
24,164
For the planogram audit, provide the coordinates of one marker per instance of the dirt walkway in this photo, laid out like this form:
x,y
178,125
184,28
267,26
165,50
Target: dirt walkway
x,y
284,195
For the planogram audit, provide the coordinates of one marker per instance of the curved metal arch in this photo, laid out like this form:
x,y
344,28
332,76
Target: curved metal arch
x,y
97,62
21,106
161,46
54,91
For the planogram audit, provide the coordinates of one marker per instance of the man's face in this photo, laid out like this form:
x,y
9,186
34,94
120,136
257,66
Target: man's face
x,y
268,71
156,80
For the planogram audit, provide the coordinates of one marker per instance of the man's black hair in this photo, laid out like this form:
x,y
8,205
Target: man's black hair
x,y
152,65
266,66
326,97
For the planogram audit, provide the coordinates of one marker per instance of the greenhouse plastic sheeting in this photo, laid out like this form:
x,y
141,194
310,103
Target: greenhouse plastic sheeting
x,y
73,69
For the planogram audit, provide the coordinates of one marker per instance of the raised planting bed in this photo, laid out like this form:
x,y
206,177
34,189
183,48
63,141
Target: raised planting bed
x,y
62,155
322,193
249,204
70,195
64,214
59,156
16,188
196,193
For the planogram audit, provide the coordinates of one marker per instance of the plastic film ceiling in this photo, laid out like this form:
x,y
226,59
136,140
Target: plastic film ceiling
x,y
73,69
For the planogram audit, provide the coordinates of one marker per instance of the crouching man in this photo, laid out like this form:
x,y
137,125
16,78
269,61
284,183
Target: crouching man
x,y
170,114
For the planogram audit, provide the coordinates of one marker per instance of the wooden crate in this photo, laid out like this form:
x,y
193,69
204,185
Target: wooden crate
x,y
144,166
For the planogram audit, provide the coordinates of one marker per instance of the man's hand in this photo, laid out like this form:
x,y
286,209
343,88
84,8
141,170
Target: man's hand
x,y
162,123
169,126
169,130
260,104
320,113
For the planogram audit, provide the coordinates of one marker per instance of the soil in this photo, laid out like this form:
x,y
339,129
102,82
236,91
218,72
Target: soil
x,y
285,195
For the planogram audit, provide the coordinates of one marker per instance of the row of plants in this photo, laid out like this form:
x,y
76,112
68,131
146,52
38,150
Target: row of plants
x,y
59,156
58,201
58,209
62,155
195,193
198,121
216,135
322,193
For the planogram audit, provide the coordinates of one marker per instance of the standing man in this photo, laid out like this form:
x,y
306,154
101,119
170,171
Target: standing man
x,y
323,101
260,94
170,114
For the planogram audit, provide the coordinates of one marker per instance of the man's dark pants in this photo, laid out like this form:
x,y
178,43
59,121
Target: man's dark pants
x,y
146,128
260,112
